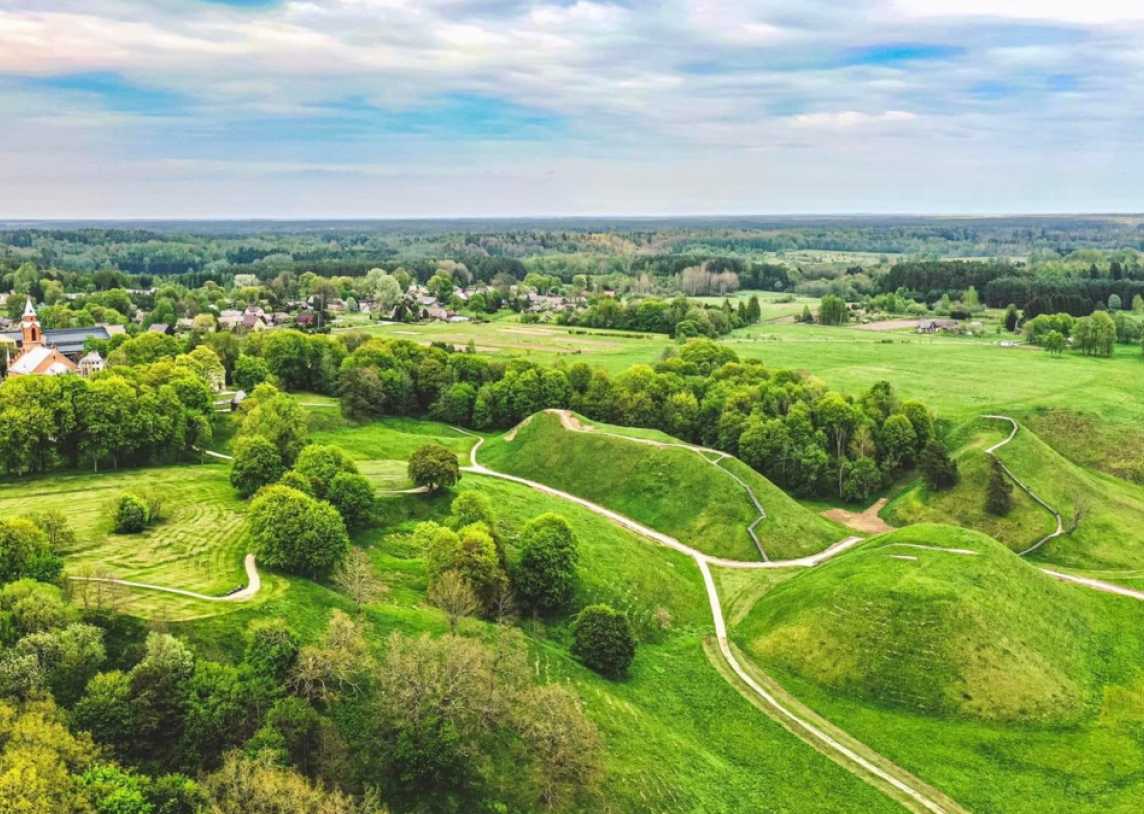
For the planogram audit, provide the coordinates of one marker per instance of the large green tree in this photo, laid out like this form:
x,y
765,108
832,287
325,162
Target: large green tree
x,y
295,532
546,576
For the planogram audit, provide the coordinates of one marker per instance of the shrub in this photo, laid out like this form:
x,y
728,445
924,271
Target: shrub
x,y
352,496
321,464
999,496
296,481
25,551
547,572
603,640
939,470
131,514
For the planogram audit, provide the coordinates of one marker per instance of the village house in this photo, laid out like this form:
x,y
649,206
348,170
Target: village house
x,y
92,363
933,326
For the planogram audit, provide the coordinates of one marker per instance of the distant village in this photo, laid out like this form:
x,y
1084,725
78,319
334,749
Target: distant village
x,y
30,349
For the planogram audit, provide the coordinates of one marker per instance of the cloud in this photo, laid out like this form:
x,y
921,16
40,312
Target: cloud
x,y
849,119
1085,12
420,89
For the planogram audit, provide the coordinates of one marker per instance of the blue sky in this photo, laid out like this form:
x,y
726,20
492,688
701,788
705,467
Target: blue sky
x,y
421,108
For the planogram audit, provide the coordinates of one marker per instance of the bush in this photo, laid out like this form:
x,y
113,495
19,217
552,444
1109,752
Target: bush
x,y
603,640
299,482
352,496
25,552
131,514
295,532
257,462
939,470
999,497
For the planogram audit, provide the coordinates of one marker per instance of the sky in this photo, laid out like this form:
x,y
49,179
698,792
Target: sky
x,y
445,108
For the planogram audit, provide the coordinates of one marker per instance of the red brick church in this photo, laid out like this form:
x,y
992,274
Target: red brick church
x,y
36,358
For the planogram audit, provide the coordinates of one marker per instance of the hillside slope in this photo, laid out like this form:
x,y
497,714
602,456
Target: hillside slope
x,y
935,619
1106,511
673,490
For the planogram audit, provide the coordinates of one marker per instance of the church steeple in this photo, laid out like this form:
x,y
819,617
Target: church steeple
x,y
33,335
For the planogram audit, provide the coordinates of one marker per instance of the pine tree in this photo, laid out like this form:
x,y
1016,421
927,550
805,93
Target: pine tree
x,y
999,497
940,472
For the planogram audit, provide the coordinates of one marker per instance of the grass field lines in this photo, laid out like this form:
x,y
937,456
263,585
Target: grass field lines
x,y
934,800
198,545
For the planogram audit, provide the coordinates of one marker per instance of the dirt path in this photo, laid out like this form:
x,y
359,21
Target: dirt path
x,y
867,521
253,585
1057,515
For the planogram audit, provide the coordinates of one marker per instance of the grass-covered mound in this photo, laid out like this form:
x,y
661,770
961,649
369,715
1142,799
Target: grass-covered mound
x,y
898,623
964,504
673,490
1105,511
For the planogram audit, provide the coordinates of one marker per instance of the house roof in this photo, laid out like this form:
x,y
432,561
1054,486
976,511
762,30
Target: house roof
x,y
250,320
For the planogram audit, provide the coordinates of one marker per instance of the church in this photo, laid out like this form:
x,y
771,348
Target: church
x,y
39,355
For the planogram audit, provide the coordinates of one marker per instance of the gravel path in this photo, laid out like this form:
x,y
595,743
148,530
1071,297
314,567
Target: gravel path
x,y
253,585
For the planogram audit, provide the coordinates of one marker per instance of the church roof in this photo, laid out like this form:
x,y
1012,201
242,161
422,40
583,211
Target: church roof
x,y
68,340
29,309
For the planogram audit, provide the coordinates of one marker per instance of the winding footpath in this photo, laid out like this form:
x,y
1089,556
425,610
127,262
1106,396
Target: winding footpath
x,y
1094,584
825,740
991,452
253,585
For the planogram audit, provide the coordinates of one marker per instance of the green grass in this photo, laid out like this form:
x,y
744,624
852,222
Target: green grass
x,y
382,448
679,738
1087,439
199,545
507,338
964,504
983,636
959,377
1109,535
675,491
1010,692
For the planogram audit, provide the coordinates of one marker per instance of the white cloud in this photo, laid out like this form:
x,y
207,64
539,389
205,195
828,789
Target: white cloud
x,y
1085,12
849,119
675,84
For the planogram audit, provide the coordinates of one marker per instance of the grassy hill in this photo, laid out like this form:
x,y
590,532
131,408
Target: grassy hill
x,y
1010,692
673,490
964,504
898,622
1108,537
